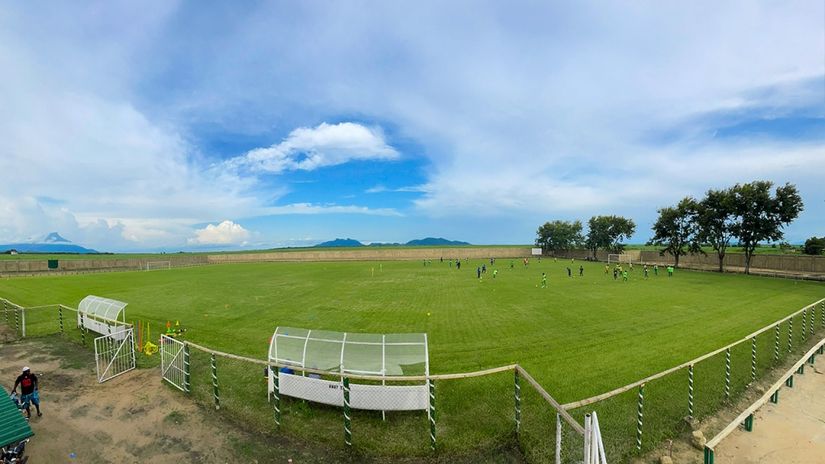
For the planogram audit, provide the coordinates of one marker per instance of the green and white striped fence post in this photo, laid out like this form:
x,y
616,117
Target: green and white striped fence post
x,y
822,313
690,391
60,318
82,331
215,392
17,320
432,413
804,323
811,321
790,335
347,419
727,374
640,417
186,378
753,359
6,312
517,392
776,345
276,395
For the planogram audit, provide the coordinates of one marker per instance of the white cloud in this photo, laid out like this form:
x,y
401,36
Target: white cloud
x,y
409,189
309,208
312,148
529,111
225,233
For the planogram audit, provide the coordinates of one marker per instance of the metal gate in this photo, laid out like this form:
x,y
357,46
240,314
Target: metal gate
x,y
173,362
114,354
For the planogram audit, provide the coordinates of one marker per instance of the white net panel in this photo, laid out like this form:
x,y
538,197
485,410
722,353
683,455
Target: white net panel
x,y
347,352
102,307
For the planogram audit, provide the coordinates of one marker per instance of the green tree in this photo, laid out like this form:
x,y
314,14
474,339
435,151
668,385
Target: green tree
x,y
760,216
608,233
559,235
677,229
715,217
814,246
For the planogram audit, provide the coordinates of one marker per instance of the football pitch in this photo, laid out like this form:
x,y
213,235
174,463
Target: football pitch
x,y
580,336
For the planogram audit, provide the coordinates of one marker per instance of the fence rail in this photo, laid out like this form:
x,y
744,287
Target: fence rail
x,y
772,394
687,364
476,410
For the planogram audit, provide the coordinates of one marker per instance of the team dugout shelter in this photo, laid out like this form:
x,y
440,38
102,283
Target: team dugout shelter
x,y
342,354
102,315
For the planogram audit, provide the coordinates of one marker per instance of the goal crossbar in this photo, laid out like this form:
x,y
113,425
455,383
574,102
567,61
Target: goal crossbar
x,y
156,265
619,258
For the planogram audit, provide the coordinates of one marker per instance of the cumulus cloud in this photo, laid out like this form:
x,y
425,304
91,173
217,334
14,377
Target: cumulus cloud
x,y
309,148
541,110
225,233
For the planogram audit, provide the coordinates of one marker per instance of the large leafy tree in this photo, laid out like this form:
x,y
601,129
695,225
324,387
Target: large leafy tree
x,y
761,216
608,233
715,216
559,235
814,246
677,230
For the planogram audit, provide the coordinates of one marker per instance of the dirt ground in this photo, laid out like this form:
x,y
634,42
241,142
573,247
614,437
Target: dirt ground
x,y
129,419
791,431
134,418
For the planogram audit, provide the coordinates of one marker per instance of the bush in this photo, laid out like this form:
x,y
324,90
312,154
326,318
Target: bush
x,y
814,246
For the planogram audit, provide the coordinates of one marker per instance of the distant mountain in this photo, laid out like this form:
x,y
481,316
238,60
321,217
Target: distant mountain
x,y
340,242
54,237
429,241
432,241
51,243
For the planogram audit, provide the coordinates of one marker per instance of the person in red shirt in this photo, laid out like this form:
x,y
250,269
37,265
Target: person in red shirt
x,y
28,391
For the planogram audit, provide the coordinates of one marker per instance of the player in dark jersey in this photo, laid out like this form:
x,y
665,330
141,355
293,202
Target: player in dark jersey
x,y
28,391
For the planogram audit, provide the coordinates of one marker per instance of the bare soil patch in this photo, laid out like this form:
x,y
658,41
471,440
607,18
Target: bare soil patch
x,y
135,418
791,431
132,418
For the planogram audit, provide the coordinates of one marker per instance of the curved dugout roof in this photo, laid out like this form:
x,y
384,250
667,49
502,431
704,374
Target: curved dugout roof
x,y
348,352
102,307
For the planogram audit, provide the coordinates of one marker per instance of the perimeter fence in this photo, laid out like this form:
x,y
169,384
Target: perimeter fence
x,y
639,416
494,410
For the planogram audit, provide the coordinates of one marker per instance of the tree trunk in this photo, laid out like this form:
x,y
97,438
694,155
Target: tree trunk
x,y
721,262
676,259
748,255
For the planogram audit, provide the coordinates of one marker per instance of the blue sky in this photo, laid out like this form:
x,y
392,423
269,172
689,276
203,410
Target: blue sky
x,y
131,126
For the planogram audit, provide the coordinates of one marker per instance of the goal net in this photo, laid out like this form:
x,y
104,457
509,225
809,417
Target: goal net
x,y
619,258
156,265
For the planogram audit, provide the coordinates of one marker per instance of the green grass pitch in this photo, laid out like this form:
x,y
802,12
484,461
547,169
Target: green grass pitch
x,y
578,337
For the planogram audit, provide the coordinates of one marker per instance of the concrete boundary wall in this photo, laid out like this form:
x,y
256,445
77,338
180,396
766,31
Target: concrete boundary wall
x,y
773,265
375,254
77,266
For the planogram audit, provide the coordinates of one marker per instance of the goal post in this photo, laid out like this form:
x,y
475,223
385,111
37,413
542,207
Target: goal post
x,y
619,258
157,265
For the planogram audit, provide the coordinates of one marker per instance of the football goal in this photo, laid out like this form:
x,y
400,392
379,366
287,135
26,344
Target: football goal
x,y
157,265
619,258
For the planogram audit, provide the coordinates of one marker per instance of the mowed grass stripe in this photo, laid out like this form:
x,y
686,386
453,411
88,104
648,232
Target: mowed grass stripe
x,y
580,336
